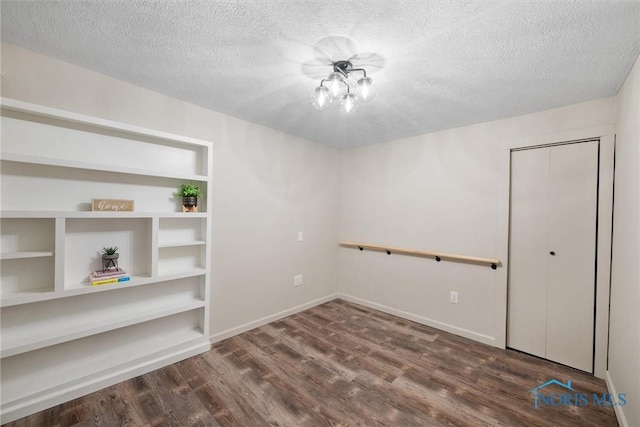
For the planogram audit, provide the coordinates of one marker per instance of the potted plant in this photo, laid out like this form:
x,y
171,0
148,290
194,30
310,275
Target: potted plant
x,y
110,257
189,193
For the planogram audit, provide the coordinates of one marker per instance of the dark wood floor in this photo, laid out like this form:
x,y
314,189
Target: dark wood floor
x,y
338,364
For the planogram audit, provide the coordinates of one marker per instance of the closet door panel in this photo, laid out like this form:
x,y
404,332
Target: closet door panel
x,y
527,295
573,171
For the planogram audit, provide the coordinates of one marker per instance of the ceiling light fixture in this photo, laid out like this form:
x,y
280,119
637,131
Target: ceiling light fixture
x,y
336,86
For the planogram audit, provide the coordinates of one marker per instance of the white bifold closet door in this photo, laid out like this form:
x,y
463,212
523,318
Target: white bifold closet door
x,y
551,294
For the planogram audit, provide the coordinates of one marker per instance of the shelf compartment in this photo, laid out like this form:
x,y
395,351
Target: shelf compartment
x,y
184,231
85,238
26,237
26,276
51,187
50,371
77,387
173,260
53,322
29,159
86,147
14,107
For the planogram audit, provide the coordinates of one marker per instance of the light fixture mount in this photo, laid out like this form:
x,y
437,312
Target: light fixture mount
x,y
343,67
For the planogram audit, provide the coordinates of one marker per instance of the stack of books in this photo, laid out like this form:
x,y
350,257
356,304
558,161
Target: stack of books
x,y
106,277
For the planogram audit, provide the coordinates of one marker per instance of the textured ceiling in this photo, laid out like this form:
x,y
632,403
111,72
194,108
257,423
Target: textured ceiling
x,y
436,64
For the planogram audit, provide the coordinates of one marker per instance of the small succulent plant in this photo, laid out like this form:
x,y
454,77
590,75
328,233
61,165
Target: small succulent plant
x,y
112,250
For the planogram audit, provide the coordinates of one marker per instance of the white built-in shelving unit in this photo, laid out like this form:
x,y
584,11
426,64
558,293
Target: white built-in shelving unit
x,y
61,337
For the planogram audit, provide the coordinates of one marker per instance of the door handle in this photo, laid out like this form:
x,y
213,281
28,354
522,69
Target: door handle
x,y
552,253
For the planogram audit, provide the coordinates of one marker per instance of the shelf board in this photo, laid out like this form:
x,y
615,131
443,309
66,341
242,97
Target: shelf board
x,y
49,161
20,214
86,288
33,374
178,244
23,339
31,295
25,254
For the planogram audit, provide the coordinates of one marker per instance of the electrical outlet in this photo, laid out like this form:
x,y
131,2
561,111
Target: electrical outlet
x,y
453,297
300,236
297,280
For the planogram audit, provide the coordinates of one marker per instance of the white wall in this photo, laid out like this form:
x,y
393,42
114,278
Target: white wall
x,y
624,329
440,192
267,186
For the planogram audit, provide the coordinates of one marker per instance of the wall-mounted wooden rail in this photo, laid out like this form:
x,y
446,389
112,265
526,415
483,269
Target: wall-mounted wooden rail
x,y
438,256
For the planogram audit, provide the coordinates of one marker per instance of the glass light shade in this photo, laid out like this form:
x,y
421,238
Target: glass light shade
x,y
348,104
366,89
336,85
320,98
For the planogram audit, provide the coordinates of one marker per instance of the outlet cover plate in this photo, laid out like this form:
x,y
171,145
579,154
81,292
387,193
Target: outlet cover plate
x,y
297,280
453,297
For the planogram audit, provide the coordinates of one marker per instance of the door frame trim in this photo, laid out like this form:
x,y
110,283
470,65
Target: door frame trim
x,y
606,135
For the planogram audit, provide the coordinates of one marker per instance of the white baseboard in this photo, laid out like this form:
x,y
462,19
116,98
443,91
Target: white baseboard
x,y
619,410
268,319
485,339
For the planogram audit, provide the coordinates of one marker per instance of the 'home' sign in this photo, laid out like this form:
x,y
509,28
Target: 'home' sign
x,y
111,205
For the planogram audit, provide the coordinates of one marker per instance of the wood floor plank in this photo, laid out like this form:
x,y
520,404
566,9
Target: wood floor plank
x,y
338,364
301,379
220,397
286,394
176,400
251,387
348,347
